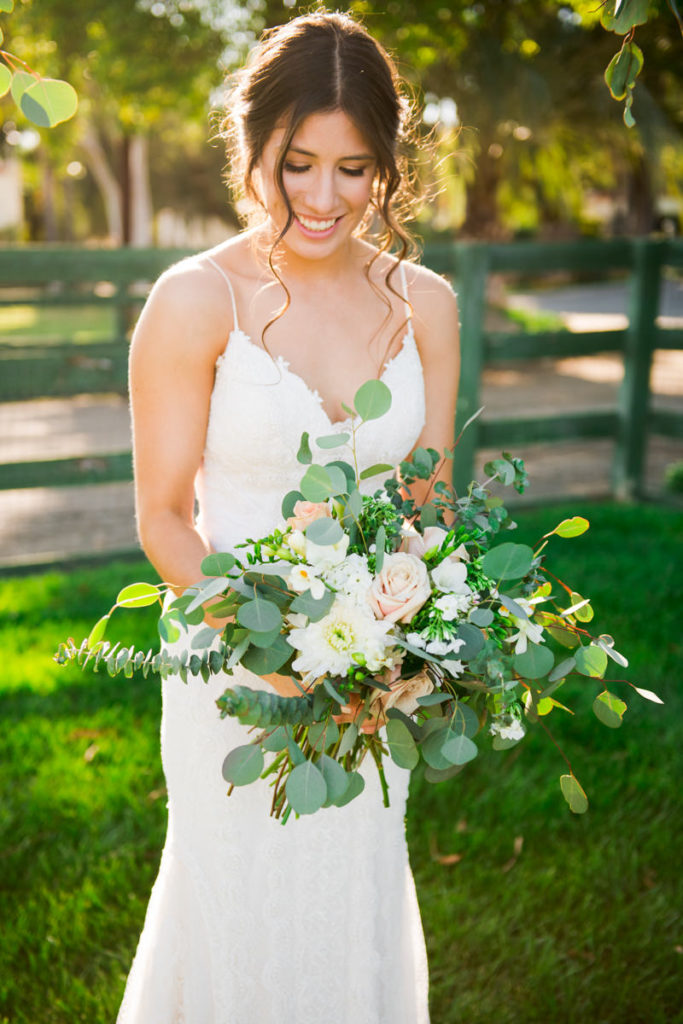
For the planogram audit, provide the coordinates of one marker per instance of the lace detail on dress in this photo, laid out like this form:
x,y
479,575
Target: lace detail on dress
x,y
251,922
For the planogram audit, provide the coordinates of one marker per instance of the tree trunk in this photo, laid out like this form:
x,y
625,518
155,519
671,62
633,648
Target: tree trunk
x,y
140,192
481,220
99,166
50,233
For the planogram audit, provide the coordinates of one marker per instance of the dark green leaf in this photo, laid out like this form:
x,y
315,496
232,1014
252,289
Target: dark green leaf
x,y
289,501
259,615
623,69
306,789
264,660
314,608
621,15
336,779
535,663
402,746
507,561
356,785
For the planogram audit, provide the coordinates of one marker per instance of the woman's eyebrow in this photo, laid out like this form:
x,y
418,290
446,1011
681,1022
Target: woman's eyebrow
x,y
306,152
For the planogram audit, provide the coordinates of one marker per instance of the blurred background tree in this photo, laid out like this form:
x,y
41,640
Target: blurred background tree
x,y
527,138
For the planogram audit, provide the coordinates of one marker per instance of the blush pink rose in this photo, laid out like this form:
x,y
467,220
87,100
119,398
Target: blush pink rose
x,y
306,512
404,694
400,589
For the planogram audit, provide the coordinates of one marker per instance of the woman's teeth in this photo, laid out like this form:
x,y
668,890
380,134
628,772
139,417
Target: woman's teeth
x,y
316,225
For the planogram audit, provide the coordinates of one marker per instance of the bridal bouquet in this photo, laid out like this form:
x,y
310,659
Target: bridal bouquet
x,y
410,631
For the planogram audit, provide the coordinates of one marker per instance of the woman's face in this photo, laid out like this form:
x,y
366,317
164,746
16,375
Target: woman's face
x,y
328,176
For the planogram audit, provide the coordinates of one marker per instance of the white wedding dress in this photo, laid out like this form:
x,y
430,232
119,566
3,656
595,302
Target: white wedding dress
x,y
250,921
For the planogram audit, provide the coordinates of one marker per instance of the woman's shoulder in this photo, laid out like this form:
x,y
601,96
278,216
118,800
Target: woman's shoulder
x,y
435,312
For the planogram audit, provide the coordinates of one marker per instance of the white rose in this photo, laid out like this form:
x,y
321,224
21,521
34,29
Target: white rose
x,y
450,576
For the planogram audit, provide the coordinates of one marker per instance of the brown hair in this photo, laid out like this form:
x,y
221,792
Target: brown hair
x,y
323,62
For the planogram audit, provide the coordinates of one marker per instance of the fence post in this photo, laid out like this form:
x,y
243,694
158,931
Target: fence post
x,y
634,394
470,261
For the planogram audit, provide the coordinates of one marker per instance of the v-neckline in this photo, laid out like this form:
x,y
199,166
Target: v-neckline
x,y
313,392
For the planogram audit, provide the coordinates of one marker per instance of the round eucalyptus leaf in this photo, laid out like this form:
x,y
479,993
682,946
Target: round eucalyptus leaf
x,y
402,746
573,794
562,669
481,617
459,750
372,400
21,80
264,660
5,79
355,787
138,595
591,661
336,779
534,663
432,748
316,484
259,615
324,531
243,765
436,775
217,564
474,641
289,501
507,561
609,709
306,789
322,735
276,740
169,630
266,639
464,720
48,102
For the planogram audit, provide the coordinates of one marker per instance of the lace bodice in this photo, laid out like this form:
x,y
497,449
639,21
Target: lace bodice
x,y
260,408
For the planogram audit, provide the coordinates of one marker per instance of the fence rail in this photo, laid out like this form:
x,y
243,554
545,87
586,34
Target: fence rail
x,y
119,280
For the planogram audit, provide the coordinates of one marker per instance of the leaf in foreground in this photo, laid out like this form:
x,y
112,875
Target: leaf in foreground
x,y
306,789
574,794
243,765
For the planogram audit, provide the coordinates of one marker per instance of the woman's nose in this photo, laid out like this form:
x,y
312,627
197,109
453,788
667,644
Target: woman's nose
x,y
322,196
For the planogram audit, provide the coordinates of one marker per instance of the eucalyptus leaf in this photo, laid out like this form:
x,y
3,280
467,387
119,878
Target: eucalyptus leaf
x,y
304,453
138,595
534,663
474,641
431,748
436,775
264,639
349,736
591,661
289,501
305,788
49,101
511,605
336,779
573,794
380,548
204,638
332,440
264,660
169,630
97,632
313,608
459,750
322,735
259,615
402,746
207,589
573,527
356,785
219,563
464,720
507,561
275,740
243,765
324,531
623,69
428,516
372,400
481,617
648,694
376,469
5,79
562,669
330,689
609,709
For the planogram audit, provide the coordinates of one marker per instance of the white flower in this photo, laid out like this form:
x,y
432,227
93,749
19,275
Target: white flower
x,y
451,575
453,667
352,579
416,640
303,577
527,631
325,556
454,606
296,542
440,647
508,727
329,646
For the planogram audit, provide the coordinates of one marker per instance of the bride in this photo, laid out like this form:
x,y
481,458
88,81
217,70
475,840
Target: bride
x,y
237,352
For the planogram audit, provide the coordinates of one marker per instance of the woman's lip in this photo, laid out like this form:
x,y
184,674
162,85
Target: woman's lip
x,y
311,232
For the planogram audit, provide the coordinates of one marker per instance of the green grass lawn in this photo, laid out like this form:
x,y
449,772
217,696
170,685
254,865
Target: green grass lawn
x,y
23,324
531,914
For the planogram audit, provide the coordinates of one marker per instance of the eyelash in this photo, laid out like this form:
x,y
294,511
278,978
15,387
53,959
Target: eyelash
x,y
351,172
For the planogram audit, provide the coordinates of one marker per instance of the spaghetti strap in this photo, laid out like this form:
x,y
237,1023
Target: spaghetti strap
x,y
230,289
404,288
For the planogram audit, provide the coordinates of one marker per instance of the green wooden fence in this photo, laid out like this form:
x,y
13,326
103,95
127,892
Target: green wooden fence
x,y
119,279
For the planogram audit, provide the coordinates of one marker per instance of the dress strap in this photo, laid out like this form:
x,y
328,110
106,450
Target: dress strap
x,y
230,289
404,288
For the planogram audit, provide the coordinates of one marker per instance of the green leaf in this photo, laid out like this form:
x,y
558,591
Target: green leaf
x,y
372,400
324,531
562,669
330,689
349,736
609,709
306,789
474,641
276,740
380,548
332,440
374,470
573,527
459,750
591,661
534,663
507,561
336,779
97,632
304,454
243,765
356,785
464,721
436,775
621,15
138,595
322,482
6,6
5,78
623,69
204,591
314,608
259,615
169,630
573,794
289,501
321,735
428,516
432,747
21,80
264,660
264,639
48,102
432,699
501,468
482,617
217,564
402,746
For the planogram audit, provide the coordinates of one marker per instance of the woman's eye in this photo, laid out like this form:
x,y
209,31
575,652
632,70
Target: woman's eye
x,y
353,172
295,168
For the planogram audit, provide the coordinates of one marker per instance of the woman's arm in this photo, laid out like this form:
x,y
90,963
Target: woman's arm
x,y
182,330
438,336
